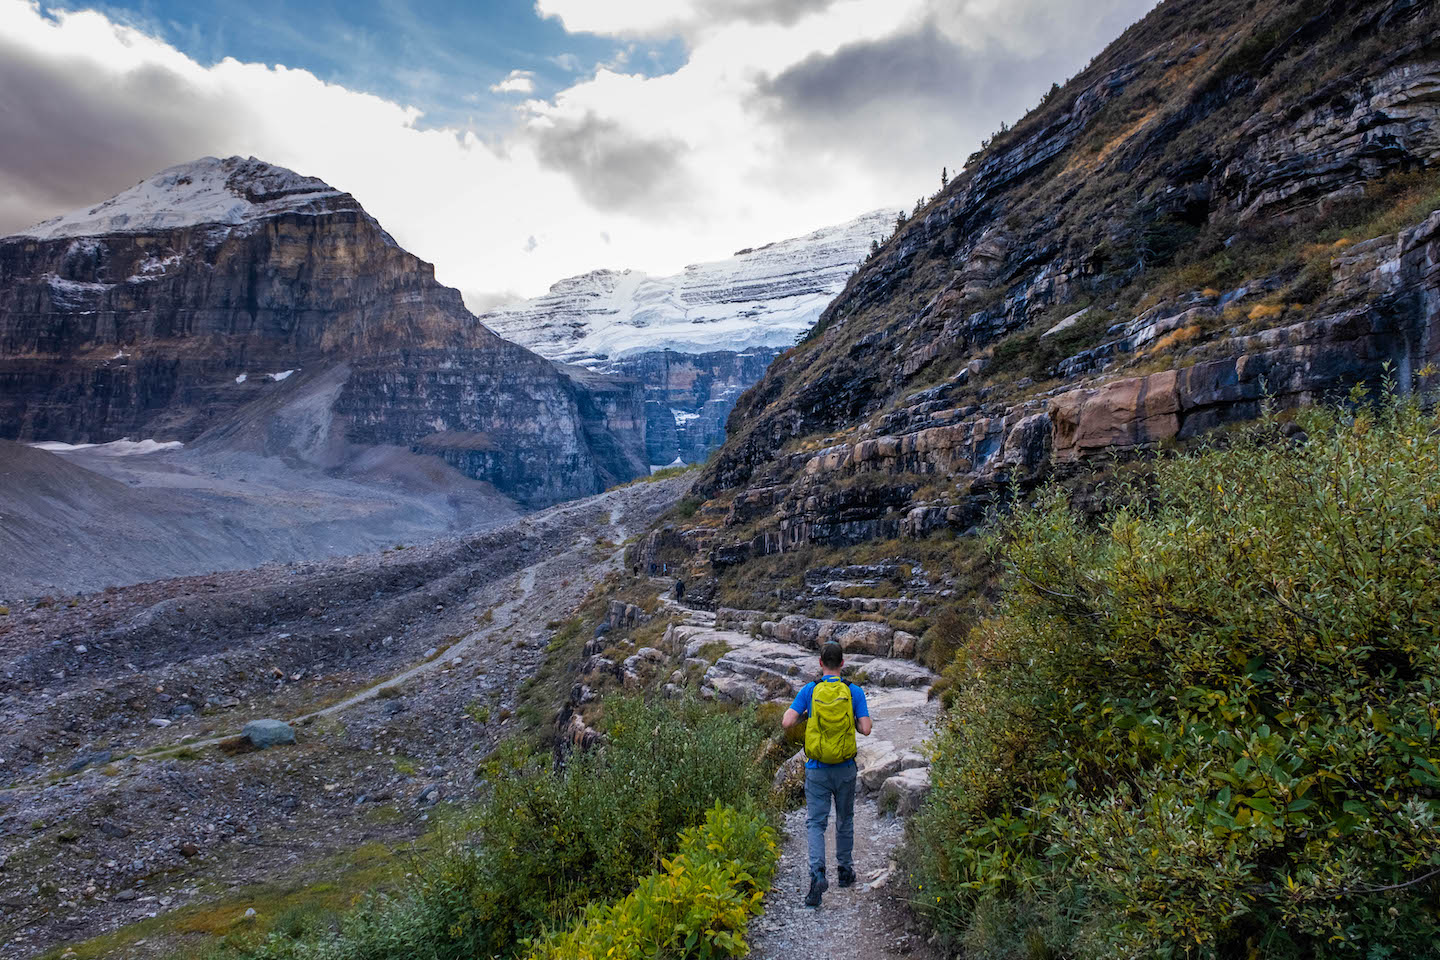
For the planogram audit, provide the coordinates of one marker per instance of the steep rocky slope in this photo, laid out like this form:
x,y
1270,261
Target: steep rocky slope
x,y
699,338
1233,201
218,284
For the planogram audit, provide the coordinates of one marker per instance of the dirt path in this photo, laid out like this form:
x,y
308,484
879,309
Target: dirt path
x,y
504,615
870,921
504,619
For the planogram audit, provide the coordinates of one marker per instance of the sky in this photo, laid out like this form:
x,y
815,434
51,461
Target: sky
x,y
514,143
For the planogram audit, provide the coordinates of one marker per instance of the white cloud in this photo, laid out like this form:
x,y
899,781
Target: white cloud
x,y
753,139
518,81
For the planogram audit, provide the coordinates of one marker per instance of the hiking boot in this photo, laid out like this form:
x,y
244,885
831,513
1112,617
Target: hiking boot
x,y
847,877
818,885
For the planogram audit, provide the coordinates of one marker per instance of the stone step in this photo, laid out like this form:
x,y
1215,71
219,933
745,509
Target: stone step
x,y
757,670
893,766
856,636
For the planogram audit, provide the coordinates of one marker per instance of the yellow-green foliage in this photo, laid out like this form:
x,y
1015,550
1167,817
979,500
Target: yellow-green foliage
x,y
548,842
697,905
1211,728
283,908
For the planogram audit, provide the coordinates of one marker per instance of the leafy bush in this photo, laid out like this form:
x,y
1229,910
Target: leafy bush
x,y
1212,727
547,843
697,905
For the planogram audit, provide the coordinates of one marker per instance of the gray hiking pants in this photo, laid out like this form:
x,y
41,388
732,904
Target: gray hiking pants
x,y
821,787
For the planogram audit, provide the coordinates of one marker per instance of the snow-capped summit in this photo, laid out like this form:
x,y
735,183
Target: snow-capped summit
x,y
231,191
761,297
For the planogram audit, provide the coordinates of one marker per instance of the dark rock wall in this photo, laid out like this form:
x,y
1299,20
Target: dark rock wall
x,y
1210,126
145,336
706,385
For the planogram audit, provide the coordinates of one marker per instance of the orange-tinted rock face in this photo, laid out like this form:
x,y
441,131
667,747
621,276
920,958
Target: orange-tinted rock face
x,y
1140,259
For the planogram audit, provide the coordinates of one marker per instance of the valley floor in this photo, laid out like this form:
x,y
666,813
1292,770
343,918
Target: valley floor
x,y
125,813
83,519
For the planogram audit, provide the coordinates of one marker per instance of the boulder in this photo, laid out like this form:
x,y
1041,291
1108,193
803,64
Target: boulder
x,y
789,784
268,733
88,759
903,645
894,673
863,637
877,761
622,616
903,793
735,689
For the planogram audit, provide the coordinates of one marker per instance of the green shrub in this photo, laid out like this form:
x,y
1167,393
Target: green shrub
x,y
547,842
697,905
1211,728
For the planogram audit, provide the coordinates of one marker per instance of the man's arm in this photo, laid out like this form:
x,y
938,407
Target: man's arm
x,y
862,710
799,707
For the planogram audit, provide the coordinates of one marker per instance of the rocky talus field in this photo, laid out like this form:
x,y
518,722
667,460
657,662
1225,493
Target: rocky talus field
x,y
128,792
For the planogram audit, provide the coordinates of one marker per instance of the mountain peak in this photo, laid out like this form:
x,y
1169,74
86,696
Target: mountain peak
x,y
232,190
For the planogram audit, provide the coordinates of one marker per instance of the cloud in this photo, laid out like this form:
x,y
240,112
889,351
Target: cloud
x,y
517,81
531,243
482,301
567,62
686,17
928,93
614,168
915,93
75,141
783,117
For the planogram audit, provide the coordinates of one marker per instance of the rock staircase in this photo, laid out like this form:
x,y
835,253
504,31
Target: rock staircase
x,y
768,661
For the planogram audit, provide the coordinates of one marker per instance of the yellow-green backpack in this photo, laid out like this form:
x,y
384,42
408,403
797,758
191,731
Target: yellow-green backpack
x,y
830,734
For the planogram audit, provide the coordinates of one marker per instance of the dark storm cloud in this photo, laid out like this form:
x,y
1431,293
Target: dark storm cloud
x,y
929,94
910,94
72,137
614,168
783,12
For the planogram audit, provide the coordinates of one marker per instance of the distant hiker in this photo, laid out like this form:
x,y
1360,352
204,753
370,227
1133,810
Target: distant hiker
x,y
837,711
679,590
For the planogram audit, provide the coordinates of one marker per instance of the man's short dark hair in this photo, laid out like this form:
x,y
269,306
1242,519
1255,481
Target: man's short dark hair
x,y
832,655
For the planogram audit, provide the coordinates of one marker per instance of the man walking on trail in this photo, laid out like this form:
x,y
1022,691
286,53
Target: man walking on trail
x,y
837,711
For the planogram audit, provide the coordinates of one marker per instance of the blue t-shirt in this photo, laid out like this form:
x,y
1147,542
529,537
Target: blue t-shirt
x,y
801,705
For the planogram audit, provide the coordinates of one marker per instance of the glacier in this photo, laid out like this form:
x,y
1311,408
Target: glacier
x,y
762,297
697,339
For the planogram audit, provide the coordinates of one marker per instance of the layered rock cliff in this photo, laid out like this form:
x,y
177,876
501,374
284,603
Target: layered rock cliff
x,y
221,283
699,338
1234,201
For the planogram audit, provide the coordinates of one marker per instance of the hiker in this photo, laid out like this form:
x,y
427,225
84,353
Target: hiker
x,y
679,590
837,711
